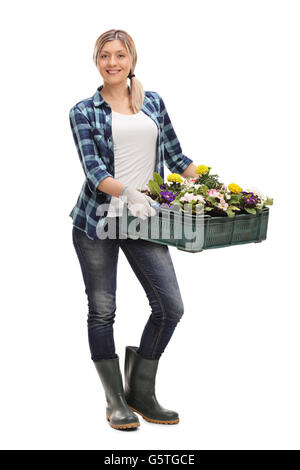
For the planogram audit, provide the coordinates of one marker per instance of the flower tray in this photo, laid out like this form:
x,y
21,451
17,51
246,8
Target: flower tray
x,y
195,233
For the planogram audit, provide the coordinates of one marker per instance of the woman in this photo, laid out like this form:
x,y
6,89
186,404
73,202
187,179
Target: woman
x,y
122,135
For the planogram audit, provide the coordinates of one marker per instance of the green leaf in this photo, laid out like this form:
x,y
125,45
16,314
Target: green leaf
x,y
154,187
250,210
157,178
234,199
268,202
230,213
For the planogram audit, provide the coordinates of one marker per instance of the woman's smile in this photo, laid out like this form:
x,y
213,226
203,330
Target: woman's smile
x,y
113,72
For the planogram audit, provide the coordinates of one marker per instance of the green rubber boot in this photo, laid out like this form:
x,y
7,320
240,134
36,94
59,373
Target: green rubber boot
x,y
117,412
140,396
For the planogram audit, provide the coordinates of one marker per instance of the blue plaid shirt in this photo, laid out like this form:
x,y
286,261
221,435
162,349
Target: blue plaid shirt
x,y
91,124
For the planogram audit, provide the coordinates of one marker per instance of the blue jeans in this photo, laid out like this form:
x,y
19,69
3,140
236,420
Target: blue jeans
x,y
152,265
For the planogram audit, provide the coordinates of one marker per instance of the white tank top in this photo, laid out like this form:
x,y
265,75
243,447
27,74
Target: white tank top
x,y
134,139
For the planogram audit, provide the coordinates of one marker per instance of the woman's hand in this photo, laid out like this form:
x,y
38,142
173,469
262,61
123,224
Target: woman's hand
x,y
138,203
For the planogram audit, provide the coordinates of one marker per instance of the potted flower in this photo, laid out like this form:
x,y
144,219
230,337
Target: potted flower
x,y
231,214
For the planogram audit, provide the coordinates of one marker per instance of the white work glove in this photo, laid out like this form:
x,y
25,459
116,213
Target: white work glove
x,y
138,203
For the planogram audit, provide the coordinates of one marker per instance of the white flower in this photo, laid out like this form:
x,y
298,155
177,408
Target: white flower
x,y
189,197
200,198
185,197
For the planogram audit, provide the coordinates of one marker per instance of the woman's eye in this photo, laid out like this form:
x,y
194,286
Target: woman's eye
x,y
120,55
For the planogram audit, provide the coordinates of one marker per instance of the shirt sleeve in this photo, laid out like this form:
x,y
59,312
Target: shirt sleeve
x,y
175,160
91,161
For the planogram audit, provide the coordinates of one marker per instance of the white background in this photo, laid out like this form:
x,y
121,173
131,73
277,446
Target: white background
x,y
229,75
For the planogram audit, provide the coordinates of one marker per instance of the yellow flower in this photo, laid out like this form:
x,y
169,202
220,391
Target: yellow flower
x,y
234,188
174,178
202,169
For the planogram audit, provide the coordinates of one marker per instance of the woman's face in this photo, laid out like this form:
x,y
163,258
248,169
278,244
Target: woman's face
x,y
114,57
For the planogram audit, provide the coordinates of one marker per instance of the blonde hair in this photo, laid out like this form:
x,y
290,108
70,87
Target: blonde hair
x,y
136,88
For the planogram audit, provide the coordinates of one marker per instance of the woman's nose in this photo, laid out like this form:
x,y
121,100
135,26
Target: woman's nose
x,y
112,61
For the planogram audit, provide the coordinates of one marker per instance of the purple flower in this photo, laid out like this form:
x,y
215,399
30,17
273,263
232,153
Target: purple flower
x,y
250,199
167,197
